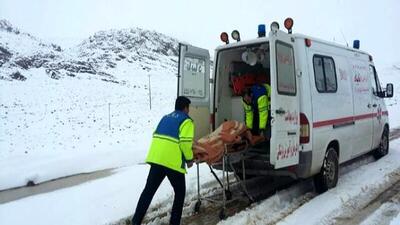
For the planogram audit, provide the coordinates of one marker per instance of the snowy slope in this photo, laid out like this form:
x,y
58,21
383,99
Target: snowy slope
x,y
89,100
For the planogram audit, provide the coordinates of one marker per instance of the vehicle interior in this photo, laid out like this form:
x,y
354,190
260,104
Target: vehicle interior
x,y
237,70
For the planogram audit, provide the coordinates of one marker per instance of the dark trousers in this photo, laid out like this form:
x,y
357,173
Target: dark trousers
x,y
156,176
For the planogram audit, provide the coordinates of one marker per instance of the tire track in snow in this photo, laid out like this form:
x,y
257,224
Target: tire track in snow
x,y
379,211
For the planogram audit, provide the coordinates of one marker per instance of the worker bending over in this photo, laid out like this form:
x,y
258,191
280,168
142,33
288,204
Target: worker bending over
x,y
256,106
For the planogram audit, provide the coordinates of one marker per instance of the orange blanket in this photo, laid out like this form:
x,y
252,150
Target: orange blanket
x,y
211,147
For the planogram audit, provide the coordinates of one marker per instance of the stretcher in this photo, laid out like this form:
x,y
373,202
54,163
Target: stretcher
x,y
234,148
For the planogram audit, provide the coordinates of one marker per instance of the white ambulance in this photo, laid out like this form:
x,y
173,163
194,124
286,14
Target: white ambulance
x,y
326,106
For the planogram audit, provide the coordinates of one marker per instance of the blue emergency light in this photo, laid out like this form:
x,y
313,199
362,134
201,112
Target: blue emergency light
x,y
356,44
261,30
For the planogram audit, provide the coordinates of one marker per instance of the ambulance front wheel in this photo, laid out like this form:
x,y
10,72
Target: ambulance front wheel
x,y
222,214
383,148
327,178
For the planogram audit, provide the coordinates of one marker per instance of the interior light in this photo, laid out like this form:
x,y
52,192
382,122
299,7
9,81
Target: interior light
x,y
274,26
289,24
224,37
235,35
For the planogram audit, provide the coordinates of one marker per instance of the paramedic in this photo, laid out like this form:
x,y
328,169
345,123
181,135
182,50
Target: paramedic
x,y
170,149
256,107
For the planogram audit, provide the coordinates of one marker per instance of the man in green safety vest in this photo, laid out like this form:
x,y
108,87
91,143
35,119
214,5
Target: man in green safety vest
x,y
170,150
256,106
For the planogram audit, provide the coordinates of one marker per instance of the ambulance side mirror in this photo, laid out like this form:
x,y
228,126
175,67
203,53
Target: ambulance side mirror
x,y
389,90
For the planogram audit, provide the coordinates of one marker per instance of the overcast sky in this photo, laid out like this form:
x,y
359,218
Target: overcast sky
x,y
374,22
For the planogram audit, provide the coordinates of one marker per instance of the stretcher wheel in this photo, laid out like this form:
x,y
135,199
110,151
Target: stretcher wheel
x,y
197,206
228,194
222,214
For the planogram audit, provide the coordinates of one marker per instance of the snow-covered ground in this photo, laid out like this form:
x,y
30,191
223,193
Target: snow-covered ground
x,y
54,128
100,201
354,191
109,199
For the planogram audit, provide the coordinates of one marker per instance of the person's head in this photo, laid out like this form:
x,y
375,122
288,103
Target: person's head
x,y
247,95
182,104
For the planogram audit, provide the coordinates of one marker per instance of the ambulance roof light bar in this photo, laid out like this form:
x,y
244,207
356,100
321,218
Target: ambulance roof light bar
x,y
224,37
288,24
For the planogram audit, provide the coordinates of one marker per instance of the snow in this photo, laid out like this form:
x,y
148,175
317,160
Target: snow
x,y
46,122
354,190
391,74
396,220
383,214
101,201
109,199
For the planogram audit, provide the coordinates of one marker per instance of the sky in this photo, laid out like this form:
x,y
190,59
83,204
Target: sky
x,y
200,23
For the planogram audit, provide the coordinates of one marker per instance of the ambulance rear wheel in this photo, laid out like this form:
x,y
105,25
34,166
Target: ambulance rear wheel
x,y
327,178
222,214
383,148
197,206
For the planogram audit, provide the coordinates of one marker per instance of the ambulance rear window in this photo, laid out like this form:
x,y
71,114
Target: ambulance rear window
x,y
285,69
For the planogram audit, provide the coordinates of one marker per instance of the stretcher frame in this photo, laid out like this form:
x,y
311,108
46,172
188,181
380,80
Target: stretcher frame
x,y
227,166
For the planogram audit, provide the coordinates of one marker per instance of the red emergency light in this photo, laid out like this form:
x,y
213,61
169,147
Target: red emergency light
x,y
288,24
224,37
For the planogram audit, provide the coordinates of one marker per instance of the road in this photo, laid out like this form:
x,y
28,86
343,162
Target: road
x,y
65,182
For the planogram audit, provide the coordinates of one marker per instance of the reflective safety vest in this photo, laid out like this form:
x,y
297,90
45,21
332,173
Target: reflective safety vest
x,y
260,100
172,141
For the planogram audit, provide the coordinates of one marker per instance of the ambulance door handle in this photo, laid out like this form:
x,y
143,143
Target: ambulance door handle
x,y
374,105
280,111
369,105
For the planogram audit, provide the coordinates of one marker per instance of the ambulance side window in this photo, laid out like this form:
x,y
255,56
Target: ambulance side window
x,y
325,74
376,86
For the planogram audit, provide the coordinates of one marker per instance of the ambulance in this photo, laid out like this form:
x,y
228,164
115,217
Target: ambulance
x,y
326,105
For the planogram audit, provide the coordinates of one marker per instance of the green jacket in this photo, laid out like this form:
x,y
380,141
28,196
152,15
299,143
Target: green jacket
x,y
263,105
172,141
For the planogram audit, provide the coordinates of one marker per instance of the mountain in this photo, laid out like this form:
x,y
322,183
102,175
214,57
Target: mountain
x,y
97,55
93,96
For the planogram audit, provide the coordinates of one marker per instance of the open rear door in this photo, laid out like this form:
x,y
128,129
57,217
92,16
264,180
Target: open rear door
x,y
284,101
194,83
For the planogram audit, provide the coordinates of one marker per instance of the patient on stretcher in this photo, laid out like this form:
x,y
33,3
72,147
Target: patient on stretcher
x,y
211,147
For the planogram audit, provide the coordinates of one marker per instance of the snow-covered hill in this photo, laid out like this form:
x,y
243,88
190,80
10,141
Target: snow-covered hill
x,y
95,56
89,99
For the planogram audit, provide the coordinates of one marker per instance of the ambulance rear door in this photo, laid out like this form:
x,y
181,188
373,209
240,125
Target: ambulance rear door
x,y
285,121
194,83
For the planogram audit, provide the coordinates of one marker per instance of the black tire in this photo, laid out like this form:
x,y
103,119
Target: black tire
x,y
383,148
222,214
228,195
197,206
328,177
